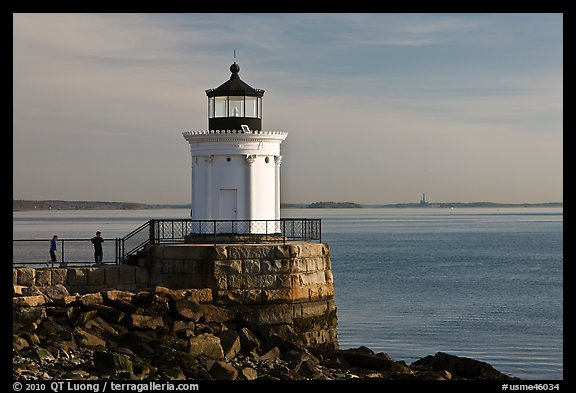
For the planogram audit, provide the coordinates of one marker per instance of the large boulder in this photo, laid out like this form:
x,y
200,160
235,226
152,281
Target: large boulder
x,y
460,366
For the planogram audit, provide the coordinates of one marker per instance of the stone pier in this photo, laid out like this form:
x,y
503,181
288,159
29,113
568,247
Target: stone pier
x,y
283,289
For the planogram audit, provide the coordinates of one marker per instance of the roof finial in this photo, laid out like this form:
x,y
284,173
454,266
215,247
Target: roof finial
x,y
234,68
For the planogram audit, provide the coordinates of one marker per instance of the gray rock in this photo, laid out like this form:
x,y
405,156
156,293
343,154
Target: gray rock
x,y
101,328
188,310
63,340
31,291
230,342
338,363
28,318
307,369
282,372
271,356
90,299
76,374
283,342
112,361
249,373
60,312
152,304
108,313
248,340
42,355
173,373
84,317
178,326
136,321
461,366
19,343
124,306
29,301
205,344
222,370
32,338
121,350
364,359
88,340
212,313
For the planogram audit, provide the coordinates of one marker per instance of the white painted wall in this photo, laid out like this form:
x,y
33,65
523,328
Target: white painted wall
x,y
236,161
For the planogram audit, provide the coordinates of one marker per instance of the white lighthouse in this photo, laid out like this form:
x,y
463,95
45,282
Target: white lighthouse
x,y
235,164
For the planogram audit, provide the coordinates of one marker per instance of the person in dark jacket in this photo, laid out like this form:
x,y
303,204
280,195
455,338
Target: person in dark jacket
x,y
98,253
53,246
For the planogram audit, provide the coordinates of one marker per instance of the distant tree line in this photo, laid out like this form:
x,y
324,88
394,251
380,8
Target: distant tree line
x,y
333,205
20,205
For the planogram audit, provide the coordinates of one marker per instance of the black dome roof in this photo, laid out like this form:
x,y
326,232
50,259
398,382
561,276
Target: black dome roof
x,y
234,86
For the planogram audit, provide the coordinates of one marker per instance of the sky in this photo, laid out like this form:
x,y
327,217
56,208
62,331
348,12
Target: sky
x,y
379,108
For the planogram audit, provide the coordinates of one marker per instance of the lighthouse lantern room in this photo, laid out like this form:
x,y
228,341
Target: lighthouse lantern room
x,y
235,164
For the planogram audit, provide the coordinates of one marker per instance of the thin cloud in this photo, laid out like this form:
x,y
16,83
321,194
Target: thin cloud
x,y
362,96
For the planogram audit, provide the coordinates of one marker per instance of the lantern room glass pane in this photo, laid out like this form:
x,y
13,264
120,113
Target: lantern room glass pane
x,y
220,107
259,114
250,107
236,106
210,107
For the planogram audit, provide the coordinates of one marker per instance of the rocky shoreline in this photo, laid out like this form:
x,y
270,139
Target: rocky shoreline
x,y
167,334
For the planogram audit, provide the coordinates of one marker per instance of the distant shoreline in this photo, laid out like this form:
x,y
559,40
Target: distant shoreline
x,y
28,205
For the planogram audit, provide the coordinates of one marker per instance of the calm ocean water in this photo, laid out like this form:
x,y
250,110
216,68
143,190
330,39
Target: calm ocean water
x,y
481,283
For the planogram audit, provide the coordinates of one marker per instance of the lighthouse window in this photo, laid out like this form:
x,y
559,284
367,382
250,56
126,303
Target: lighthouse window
x,y
220,106
267,159
228,159
250,107
235,106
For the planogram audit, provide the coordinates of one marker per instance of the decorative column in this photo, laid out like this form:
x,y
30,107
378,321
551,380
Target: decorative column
x,y
277,162
250,159
209,160
192,184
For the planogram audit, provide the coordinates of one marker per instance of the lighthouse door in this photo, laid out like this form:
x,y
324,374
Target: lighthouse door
x,y
228,204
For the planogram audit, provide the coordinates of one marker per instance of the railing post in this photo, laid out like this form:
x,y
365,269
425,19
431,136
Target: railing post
x,y
214,228
284,232
117,251
62,249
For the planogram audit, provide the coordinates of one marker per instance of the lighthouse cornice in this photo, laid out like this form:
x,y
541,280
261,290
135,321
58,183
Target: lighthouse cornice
x,y
233,136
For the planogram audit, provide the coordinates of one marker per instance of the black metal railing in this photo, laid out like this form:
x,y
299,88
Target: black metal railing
x,y
69,252
162,231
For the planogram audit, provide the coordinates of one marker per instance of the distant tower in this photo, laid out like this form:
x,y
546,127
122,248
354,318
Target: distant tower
x,y
235,165
423,200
